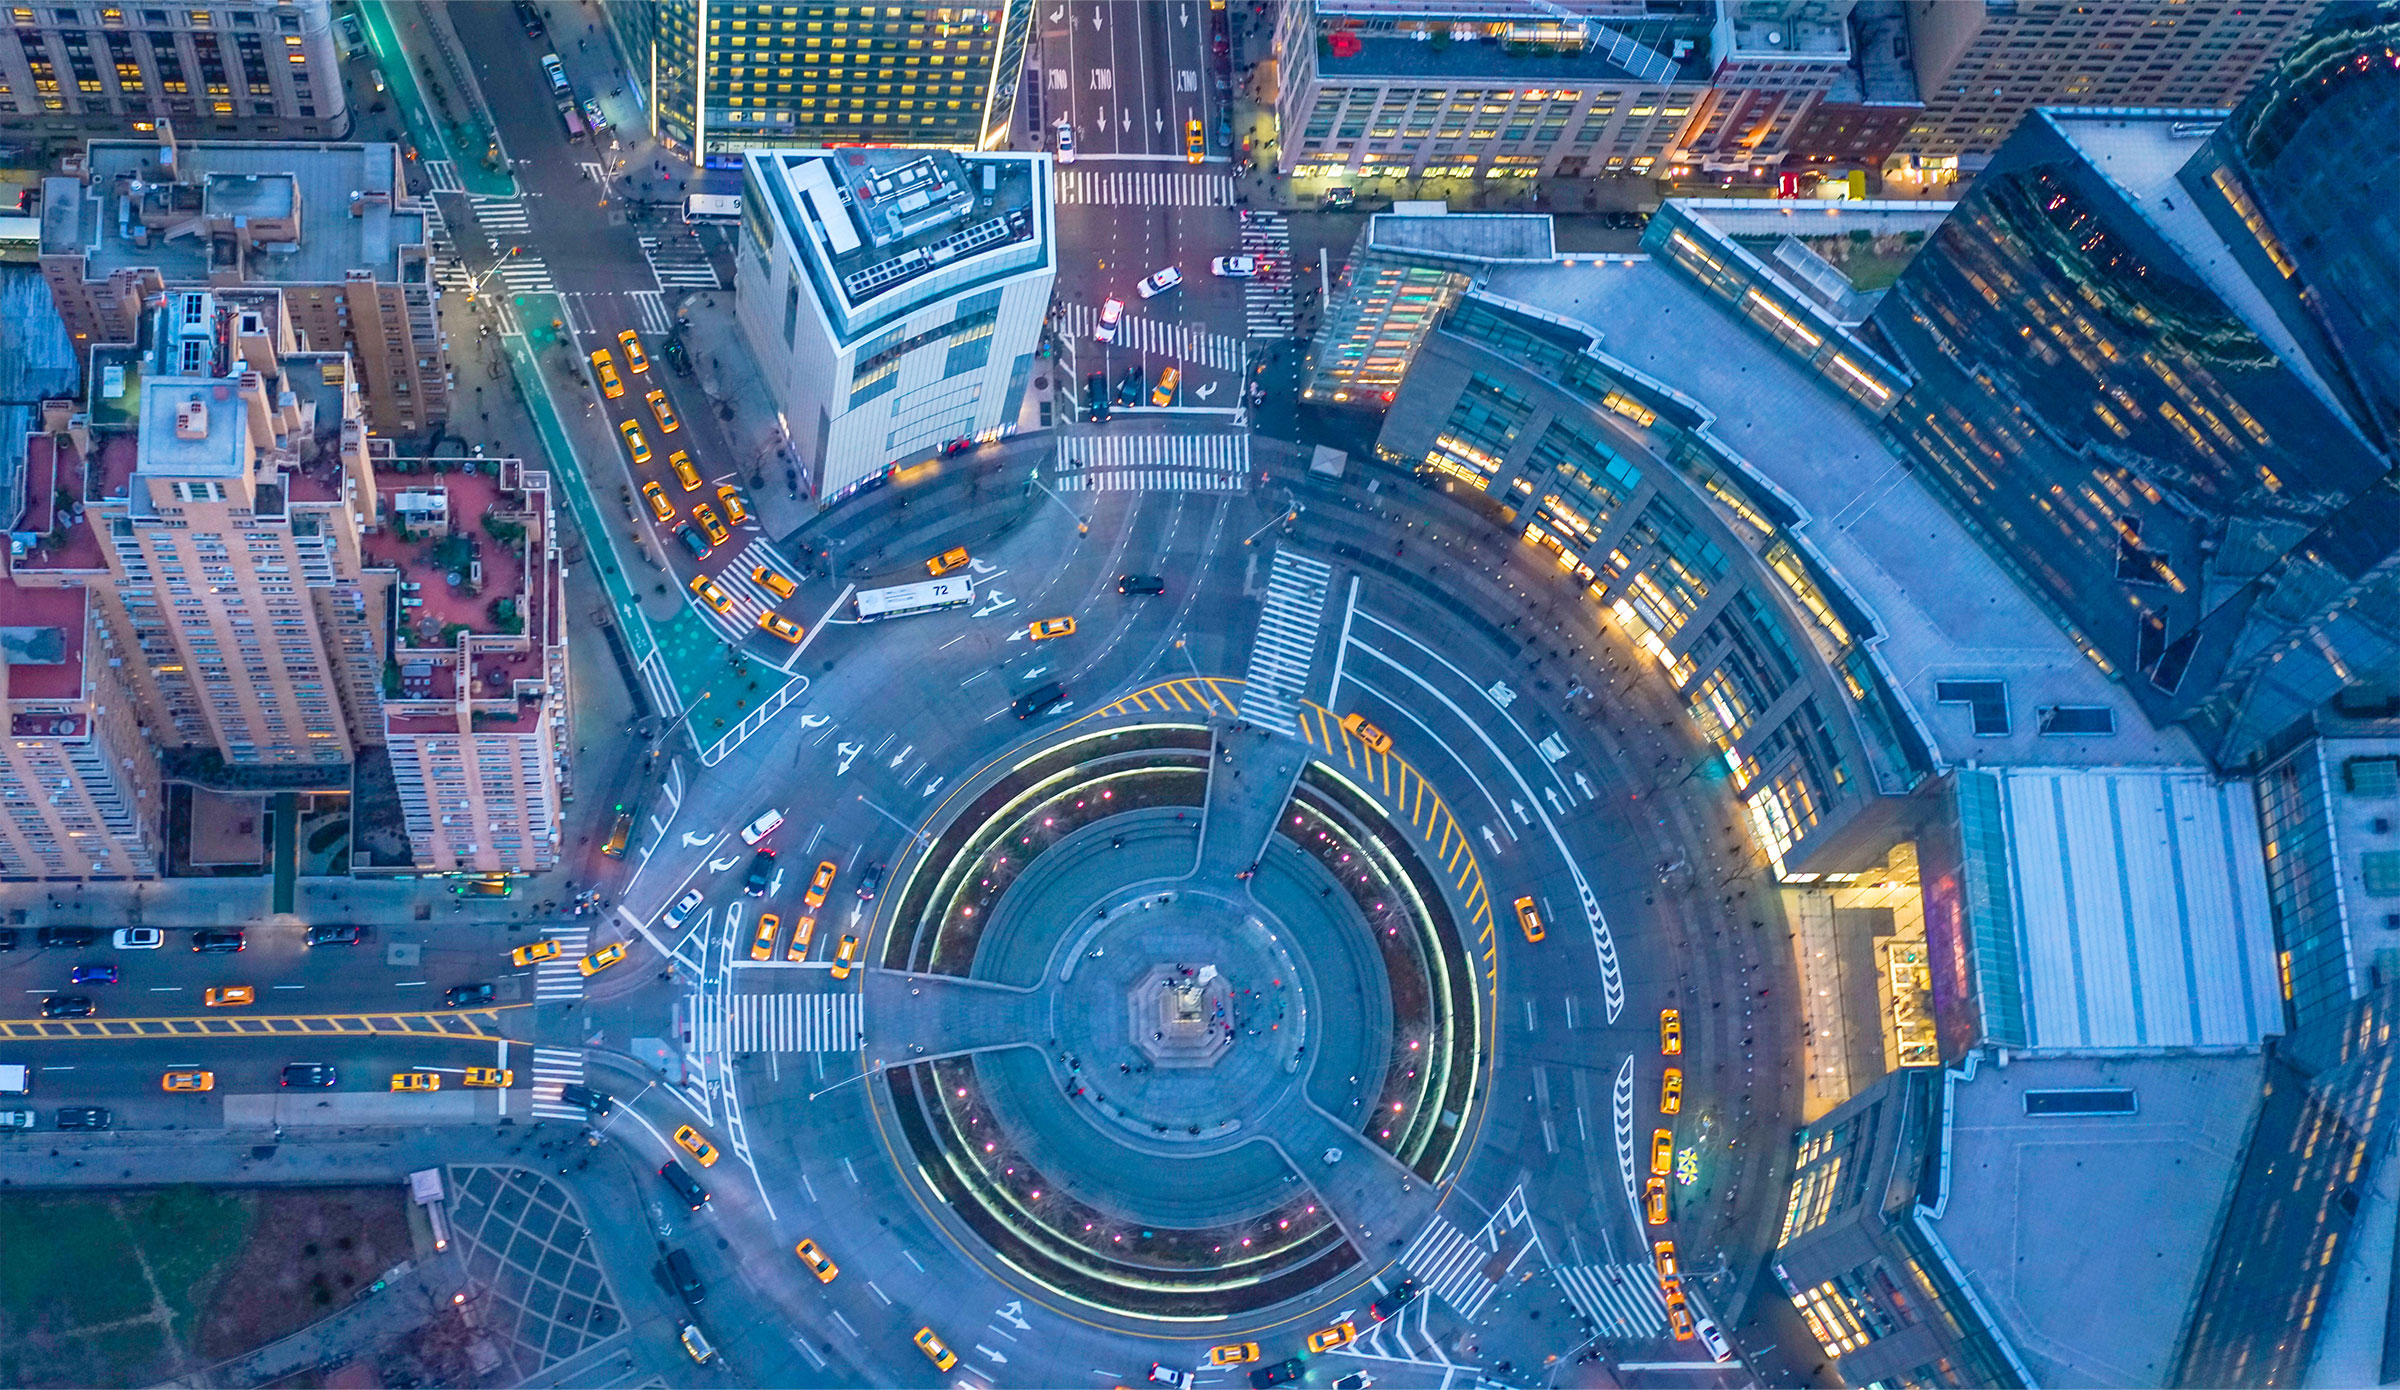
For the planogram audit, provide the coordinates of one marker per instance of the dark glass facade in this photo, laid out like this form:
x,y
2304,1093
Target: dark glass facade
x,y
725,77
2212,527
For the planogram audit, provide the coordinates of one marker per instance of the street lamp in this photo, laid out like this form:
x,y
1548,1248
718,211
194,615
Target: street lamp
x,y
658,743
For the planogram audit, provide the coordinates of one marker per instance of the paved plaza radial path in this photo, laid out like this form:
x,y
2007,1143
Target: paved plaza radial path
x,y
1158,1019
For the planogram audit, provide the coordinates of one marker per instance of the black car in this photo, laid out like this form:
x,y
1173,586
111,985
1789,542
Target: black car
x,y
83,1117
68,938
531,18
598,1102
685,1278
69,1006
334,936
692,540
319,1075
1399,1298
678,361
8,938
1140,584
762,873
869,881
684,1184
1095,396
217,943
1129,390
460,996
1277,1374
1040,700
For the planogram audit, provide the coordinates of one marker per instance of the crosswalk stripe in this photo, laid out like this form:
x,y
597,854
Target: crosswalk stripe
x,y
1145,188
558,977
1285,648
651,305
1267,300
749,599
444,174
1224,453
688,267
1622,1299
1449,1263
792,1022
1151,480
553,1069
1180,342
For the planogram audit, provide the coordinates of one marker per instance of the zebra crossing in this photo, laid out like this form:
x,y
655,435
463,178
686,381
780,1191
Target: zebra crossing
x,y
554,1068
499,212
1182,342
790,1022
1621,1300
749,599
557,977
682,265
1447,1261
604,311
1151,480
525,275
1220,453
1267,299
1286,648
651,307
1145,188
444,173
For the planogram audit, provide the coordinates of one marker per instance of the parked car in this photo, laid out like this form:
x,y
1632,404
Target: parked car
x,y
138,939
217,943
335,936
83,1117
66,938
467,996
317,1076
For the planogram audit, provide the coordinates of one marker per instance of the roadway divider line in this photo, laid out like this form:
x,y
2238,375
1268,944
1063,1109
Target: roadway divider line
x,y
464,1027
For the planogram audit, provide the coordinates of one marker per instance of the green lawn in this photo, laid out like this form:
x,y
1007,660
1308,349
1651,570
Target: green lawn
x,y
76,1307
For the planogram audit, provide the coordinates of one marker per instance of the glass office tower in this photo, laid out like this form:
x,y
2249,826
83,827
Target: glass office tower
x,y
2108,396
722,77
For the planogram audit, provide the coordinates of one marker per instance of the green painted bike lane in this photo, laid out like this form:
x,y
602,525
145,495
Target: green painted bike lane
x,y
432,138
687,652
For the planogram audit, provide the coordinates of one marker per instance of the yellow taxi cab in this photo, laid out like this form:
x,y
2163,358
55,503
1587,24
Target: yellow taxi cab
x,y
1662,1257
941,1356
1233,1353
656,496
604,366
1654,1201
602,959
680,463
497,1078
735,512
230,996
776,584
802,931
415,1081
1051,627
1164,392
636,360
638,446
1357,727
947,561
710,594
695,1342
1679,1311
188,1081
770,926
1193,150
1529,919
1662,1151
1670,1032
1324,1339
533,951
706,515
818,883
843,956
815,1259
780,625
1670,1092
697,1145
662,412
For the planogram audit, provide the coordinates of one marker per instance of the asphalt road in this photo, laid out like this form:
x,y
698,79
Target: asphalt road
x,y
1538,739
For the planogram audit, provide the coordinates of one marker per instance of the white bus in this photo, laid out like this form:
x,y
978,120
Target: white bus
x,y
908,600
713,207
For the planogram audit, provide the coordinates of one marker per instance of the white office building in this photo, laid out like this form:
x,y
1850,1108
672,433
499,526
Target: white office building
x,y
893,298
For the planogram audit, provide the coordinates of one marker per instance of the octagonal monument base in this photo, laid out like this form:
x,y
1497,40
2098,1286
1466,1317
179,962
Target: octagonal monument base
x,y
1181,1016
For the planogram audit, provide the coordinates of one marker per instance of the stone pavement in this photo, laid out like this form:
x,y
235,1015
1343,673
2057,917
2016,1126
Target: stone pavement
x,y
916,1018
1251,773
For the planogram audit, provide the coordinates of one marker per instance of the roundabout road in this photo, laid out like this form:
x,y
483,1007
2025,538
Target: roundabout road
x,y
1530,1241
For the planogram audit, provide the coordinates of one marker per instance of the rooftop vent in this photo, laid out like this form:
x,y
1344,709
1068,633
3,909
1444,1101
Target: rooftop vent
x,y
191,419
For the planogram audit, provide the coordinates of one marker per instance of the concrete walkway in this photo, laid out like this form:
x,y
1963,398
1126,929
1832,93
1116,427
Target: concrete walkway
x,y
916,1018
1250,777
